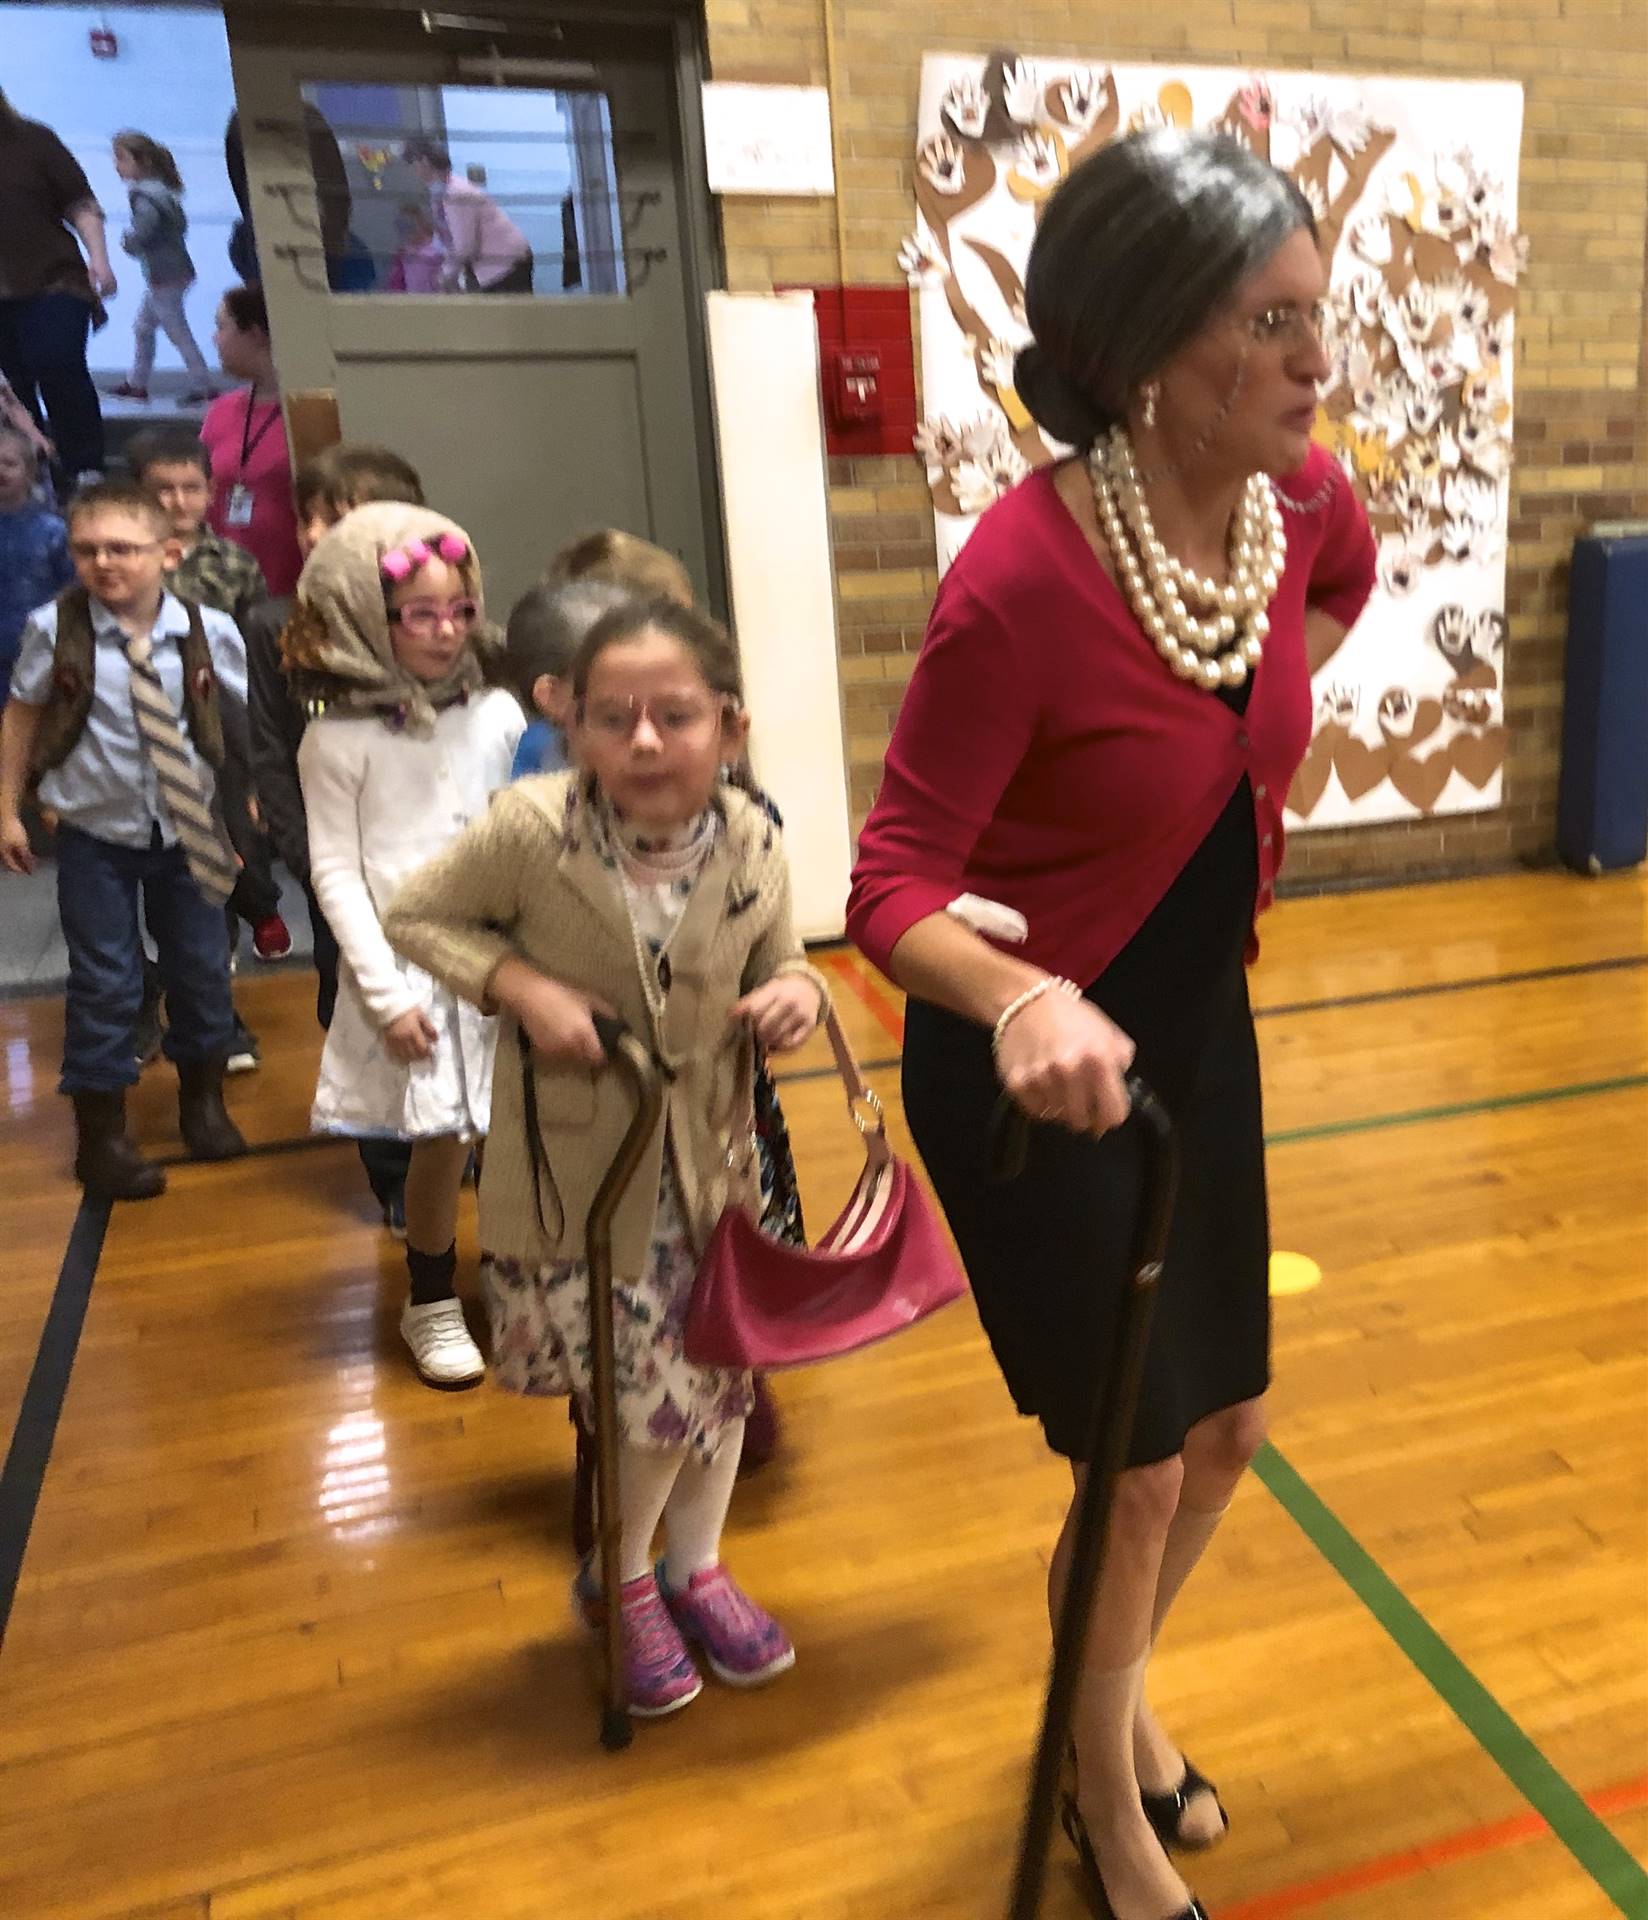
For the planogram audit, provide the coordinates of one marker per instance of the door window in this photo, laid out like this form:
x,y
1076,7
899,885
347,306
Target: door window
x,y
435,190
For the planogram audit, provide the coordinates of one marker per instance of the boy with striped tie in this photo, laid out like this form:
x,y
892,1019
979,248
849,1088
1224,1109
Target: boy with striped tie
x,y
114,716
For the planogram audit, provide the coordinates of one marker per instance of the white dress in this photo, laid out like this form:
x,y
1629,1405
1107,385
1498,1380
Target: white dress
x,y
381,802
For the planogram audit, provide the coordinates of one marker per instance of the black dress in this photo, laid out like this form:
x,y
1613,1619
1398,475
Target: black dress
x,y
1047,1254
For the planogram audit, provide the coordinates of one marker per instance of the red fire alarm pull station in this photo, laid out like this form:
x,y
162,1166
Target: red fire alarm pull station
x,y
104,44
855,386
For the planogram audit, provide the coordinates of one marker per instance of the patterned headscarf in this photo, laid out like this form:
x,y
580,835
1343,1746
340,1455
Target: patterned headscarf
x,y
337,648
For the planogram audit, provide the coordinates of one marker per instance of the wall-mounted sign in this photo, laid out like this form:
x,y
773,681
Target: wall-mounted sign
x,y
767,140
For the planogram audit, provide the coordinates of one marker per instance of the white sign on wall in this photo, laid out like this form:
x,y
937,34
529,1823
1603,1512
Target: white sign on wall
x,y
767,140
1413,185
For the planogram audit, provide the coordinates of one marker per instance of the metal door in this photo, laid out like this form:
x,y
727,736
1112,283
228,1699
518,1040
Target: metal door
x,y
531,416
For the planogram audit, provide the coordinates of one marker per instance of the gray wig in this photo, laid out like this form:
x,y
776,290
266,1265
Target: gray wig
x,y
1136,251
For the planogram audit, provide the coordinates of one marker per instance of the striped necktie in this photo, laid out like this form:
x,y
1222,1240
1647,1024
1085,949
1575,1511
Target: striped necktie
x,y
210,861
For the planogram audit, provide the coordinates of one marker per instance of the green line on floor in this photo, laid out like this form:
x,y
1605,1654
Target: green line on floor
x,y
1591,1843
1496,1103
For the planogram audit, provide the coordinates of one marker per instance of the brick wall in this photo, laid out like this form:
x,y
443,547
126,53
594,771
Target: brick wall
x,y
1582,347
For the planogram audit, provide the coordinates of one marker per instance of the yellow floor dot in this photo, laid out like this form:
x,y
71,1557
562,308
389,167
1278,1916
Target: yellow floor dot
x,y
1293,1273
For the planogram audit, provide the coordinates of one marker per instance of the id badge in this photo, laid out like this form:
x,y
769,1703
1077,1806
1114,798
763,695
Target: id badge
x,y
238,512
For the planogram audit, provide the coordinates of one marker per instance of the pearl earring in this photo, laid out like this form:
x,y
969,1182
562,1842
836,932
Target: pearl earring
x,y
1149,394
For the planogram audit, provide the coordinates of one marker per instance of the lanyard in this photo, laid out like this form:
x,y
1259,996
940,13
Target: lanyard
x,y
249,441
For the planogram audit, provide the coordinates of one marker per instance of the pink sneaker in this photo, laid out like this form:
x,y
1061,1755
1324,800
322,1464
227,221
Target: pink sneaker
x,y
743,1643
659,1675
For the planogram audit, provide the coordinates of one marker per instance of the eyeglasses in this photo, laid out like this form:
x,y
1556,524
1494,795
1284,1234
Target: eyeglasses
x,y
672,716
93,550
425,618
1289,325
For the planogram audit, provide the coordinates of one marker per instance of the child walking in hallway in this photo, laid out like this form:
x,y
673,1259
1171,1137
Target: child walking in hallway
x,y
387,644
324,489
115,721
646,886
155,239
610,557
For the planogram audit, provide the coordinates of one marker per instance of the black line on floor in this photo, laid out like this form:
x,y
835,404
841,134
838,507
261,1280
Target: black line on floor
x,y
1620,963
29,1454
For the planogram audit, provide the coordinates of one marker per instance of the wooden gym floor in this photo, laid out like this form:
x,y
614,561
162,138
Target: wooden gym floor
x,y
290,1638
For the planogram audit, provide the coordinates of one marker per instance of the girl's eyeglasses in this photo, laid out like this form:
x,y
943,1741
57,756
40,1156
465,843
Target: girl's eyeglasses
x,y
672,716
424,618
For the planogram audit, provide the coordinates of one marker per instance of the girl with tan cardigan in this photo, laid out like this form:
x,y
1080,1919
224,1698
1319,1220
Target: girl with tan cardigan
x,y
648,887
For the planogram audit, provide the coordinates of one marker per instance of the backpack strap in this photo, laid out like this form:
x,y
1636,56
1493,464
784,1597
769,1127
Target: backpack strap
x,y
68,702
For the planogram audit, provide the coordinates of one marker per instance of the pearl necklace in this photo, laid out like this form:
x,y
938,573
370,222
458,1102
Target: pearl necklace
x,y
1209,633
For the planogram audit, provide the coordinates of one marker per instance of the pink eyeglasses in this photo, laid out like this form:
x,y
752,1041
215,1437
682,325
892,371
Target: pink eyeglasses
x,y
424,618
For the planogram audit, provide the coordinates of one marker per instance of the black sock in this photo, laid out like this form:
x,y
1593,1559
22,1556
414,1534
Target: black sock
x,y
432,1274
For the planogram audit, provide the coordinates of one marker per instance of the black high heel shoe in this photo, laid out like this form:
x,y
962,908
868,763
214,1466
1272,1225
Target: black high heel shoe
x,y
1075,1828
1166,1811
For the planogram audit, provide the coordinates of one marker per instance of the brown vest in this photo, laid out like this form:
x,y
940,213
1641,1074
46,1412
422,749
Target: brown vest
x,y
68,702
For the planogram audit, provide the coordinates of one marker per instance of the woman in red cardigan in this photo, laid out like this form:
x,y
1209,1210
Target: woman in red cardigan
x,y
1112,700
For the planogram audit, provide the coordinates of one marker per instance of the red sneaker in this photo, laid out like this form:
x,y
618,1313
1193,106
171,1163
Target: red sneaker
x,y
271,938
743,1643
659,1674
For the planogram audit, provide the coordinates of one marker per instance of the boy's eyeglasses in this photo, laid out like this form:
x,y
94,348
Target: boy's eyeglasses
x,y
93,550
424,618
672,716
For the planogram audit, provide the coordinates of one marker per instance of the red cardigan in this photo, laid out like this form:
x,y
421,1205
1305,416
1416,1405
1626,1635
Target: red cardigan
x,y
1045,756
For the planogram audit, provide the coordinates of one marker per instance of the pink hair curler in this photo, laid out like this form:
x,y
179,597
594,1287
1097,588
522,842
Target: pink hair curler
x,y
400,563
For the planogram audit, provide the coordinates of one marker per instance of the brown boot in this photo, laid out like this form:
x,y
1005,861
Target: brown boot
x,y
207,1130
106,1163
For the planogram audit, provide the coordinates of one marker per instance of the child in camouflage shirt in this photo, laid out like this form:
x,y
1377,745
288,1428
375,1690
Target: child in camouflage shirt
x,y
170,463
213,572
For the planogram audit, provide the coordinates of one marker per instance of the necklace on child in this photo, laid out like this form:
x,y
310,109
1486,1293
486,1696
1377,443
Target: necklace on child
x,y
653,857
656,871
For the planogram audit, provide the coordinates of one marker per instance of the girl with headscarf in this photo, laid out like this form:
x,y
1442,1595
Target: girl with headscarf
x,y
405,747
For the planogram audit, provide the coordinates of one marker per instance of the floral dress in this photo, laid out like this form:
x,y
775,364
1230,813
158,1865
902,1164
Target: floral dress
x,y
540,1314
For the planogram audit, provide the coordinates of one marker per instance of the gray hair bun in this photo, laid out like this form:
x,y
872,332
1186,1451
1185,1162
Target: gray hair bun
x,y
1056,402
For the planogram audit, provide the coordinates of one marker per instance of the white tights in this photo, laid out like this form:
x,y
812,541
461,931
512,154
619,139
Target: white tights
x,y
690,1495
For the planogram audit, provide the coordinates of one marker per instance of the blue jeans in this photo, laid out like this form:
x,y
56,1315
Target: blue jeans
x,y
43,355
97,899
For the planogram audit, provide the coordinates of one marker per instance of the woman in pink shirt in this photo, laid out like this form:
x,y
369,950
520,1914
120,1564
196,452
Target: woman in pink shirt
x,y
484,248
1112,700
245,436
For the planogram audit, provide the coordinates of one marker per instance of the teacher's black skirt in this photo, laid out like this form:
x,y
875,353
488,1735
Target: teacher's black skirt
x,y
1048,1253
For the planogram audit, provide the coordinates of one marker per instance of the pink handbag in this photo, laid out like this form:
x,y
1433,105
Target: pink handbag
x,y
885,1264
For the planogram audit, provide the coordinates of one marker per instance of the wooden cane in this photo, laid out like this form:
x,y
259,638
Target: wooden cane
x,y
1112,1424
636,1065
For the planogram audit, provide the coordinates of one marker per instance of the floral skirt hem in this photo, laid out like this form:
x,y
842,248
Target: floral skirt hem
x,y
539,1317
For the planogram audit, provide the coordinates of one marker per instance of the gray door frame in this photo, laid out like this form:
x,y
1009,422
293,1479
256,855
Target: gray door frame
x,y
679,29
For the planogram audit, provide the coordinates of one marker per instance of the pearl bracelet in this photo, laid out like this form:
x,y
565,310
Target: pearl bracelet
x,y
1053,983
